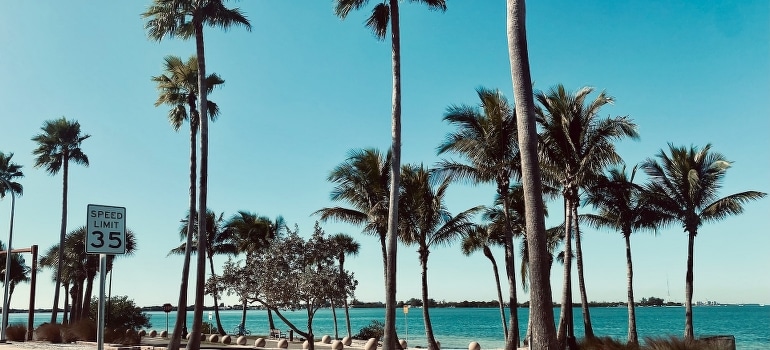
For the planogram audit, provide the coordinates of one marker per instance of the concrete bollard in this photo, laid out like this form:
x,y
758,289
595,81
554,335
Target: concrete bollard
x,y
305,344
260,343
403,344
474,346
153,333
337,345
347,341
214,338
371,344
163,334
241,340
326,339
283,344
227,339
142,333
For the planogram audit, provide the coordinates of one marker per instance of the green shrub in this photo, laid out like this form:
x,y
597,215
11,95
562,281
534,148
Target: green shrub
x,y
49,332
84,330
375,329
123,314
16,332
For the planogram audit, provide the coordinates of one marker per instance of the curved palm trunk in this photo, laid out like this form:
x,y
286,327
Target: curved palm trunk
x,y
632,336
512,340
345,299
565,318
334,317
390,340
216,302
488,254
425,314
62,233
689,334
180,325
85,309
588,329
195,342
270,321
541,303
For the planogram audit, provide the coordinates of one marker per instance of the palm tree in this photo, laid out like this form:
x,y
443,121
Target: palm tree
x,y
57,146
618,201
386,14
683,185
252,234
427,222
577,145
9,171
540,303
362,181
481,238
178,88
186,18
343,245
486,138
220,242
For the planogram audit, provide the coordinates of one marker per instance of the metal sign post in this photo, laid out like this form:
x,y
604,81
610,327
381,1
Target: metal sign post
x,y
105,234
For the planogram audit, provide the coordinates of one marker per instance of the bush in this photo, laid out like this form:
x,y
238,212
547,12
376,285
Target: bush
x,y
375,329
81,330
49,332
208,328
16,332
123,314
122,336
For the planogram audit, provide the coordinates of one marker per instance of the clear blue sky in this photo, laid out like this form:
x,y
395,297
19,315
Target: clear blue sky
x,y
303,87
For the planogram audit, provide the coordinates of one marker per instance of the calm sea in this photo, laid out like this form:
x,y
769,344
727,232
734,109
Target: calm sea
x,y
456,327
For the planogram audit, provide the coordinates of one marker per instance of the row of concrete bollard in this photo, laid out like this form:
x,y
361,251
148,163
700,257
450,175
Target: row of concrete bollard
x,y
371,344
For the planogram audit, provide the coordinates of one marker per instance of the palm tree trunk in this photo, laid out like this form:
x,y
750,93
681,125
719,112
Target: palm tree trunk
x,y
587,328
195,342
214,294
541,303
347,317
86,308
65,315
566,298
632,336
243,313
390,340
270,321
512,340
180,325
62,233
425,314
334,317
488,254
345,299
689,334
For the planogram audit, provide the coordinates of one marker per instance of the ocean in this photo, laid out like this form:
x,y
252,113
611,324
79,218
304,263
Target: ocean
x,y
455,328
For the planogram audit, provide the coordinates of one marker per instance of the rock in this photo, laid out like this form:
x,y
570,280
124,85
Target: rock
x,y
371,344
227,339
403,343
163,334
305,345
241,340
283,344
260,343
326,339
337,345
153,333
474,346
347,341
214,338
142,333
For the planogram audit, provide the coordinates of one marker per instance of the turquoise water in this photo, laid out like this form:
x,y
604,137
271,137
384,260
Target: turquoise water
x,y
456,327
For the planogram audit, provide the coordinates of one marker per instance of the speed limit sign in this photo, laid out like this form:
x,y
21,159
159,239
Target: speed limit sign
x,y
106,230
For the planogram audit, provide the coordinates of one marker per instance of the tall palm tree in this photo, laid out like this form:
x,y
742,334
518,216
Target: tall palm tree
x,y
577,146
385,14
684,185
343,245
178,88
220,242
618,201
427,222
486,139
251,235
57,146
480,237
540,303
186,18
9,172
363,182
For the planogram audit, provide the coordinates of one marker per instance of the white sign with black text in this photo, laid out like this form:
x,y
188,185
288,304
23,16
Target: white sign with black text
x,y
106,230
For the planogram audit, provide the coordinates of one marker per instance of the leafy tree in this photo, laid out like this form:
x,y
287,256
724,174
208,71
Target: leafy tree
x,y
427,222
57,146
186,18
619,204
541,305
178,88
124,314
486,139
684,186
343,245
386,14
577,145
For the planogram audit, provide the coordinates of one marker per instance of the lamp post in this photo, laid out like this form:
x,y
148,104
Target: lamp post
x,y
7,281
167,308
406,322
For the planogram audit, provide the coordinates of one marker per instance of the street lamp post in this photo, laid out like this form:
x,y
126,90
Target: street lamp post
x,y
7,281
406,322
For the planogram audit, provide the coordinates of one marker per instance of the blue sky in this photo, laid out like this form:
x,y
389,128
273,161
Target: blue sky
x,y
303,88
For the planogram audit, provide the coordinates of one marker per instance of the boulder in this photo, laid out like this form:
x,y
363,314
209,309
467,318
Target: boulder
x,y
474,346
371,344
163,334
326,339
402,342
153,334
347,341
260,343
337,345
283,344
241,340
227,339
214,338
